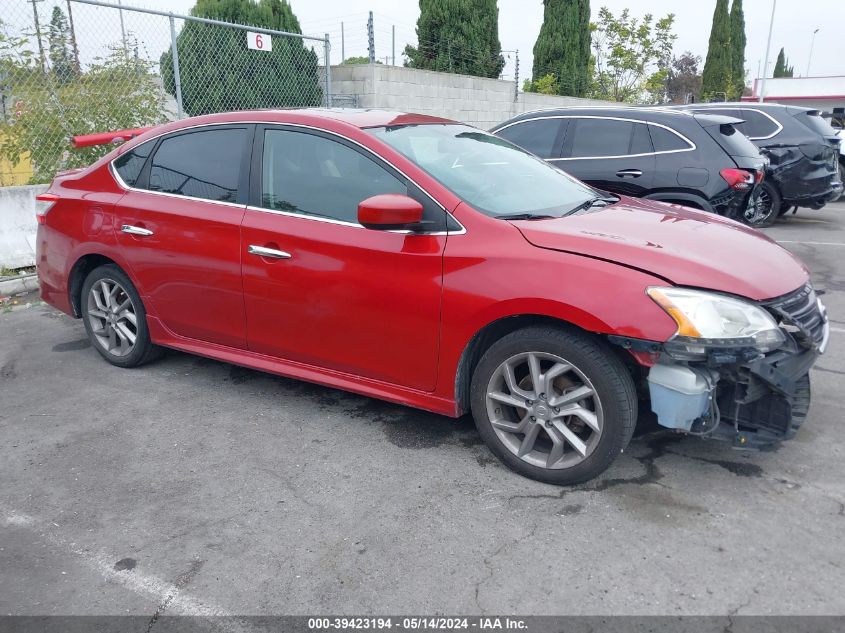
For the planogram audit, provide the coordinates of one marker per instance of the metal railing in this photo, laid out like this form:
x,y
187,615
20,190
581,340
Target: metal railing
x,y
72,67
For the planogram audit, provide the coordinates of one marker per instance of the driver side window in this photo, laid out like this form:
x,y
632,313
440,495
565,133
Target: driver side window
x,y
311,175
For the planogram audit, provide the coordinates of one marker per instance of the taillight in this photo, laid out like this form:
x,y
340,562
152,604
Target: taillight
x,y
44,202
739,178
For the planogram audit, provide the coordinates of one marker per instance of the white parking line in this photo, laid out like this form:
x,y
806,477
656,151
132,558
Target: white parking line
x,y
811,243
149,585
838,330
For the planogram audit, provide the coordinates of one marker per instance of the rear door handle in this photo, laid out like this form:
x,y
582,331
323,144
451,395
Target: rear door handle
x,y
135,230
633,173
263,251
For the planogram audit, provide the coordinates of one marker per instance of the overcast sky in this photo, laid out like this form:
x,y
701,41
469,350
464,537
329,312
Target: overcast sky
x,y
519,23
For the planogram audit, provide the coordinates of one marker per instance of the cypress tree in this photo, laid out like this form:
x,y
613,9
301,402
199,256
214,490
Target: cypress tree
x,y
737,49
562,48
458,36
58,37
780,65
219,73
716,77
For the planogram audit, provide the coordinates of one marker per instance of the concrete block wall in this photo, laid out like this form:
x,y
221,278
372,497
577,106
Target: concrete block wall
x,y
475,100
18,225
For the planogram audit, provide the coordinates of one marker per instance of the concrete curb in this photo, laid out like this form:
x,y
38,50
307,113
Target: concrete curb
x,y
23,283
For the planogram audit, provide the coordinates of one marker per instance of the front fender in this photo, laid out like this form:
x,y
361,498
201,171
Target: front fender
x,y
591,294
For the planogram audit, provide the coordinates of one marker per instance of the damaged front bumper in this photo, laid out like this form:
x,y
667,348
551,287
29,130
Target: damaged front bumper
x,y
739,394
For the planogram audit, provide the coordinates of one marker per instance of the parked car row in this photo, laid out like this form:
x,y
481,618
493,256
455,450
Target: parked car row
x,y
840,132
746,163
802,148
429,263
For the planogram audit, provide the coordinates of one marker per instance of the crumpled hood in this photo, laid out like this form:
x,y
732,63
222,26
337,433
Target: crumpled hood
x,y
685,246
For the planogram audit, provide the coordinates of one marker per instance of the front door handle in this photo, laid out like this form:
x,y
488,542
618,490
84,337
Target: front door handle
x,y
135,230
263,251
625,173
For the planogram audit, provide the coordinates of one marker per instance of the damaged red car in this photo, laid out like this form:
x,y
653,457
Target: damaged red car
x,y
425,262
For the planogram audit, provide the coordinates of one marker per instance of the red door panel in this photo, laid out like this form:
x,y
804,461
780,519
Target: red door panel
x,y
189,266
351,299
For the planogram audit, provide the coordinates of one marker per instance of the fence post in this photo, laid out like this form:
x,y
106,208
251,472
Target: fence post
x,y
176,78
327,47
371,42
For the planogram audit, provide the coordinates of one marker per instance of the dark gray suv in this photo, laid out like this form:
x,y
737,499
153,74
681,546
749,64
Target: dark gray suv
x,y
803,150
696,160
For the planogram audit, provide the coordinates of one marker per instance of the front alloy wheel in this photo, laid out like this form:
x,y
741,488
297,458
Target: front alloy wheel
x,y
544,410
553,403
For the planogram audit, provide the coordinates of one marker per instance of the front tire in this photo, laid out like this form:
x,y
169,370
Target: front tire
x,y
115,318
553,404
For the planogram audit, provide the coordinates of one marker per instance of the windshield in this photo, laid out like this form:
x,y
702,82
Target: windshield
x,y
487,172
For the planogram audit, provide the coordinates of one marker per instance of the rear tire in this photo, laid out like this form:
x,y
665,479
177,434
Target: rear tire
x,y
115,318
553,404
770,202
769,207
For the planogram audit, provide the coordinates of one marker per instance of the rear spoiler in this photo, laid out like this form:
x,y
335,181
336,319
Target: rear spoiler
x,y
107,138
709,120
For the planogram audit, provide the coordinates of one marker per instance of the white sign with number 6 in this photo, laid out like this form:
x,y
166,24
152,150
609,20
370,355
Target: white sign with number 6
x,y
259,41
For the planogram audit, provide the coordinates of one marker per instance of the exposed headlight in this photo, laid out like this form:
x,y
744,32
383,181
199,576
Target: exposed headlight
x,y
711,318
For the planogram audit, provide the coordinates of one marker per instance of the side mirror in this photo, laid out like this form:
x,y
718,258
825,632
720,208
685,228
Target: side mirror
x,y
390,211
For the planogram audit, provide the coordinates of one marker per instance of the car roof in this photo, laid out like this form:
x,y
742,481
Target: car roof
x,y
334,119
645,113
748,105
357,117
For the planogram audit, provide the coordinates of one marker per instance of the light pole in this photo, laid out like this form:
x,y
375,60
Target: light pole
x,y
810,59
768,47
122,29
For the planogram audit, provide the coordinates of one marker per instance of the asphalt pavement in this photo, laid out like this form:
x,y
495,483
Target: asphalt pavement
x,y
195,487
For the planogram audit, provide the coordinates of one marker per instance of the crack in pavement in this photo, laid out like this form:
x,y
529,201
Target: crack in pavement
x,y
181,581
169,595
487,560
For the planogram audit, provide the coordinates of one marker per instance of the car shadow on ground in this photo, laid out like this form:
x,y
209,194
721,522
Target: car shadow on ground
x,y
414,429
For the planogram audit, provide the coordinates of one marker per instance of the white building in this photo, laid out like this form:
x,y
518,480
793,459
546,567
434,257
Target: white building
x,y
822,93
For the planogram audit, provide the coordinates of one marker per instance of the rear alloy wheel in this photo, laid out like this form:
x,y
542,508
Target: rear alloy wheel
x,y
769,205
115,319
553,405
766,209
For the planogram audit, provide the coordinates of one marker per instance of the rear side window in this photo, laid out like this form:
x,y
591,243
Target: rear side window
x,y
601,137
757,124
129,164
204,164
734,142
312,175
665,140
538,136
640,140
816,123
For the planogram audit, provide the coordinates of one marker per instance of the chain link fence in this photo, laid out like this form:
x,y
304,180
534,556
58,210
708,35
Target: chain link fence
x,y
72,67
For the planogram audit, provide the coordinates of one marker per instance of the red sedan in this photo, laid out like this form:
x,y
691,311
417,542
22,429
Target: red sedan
x,y
422,261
